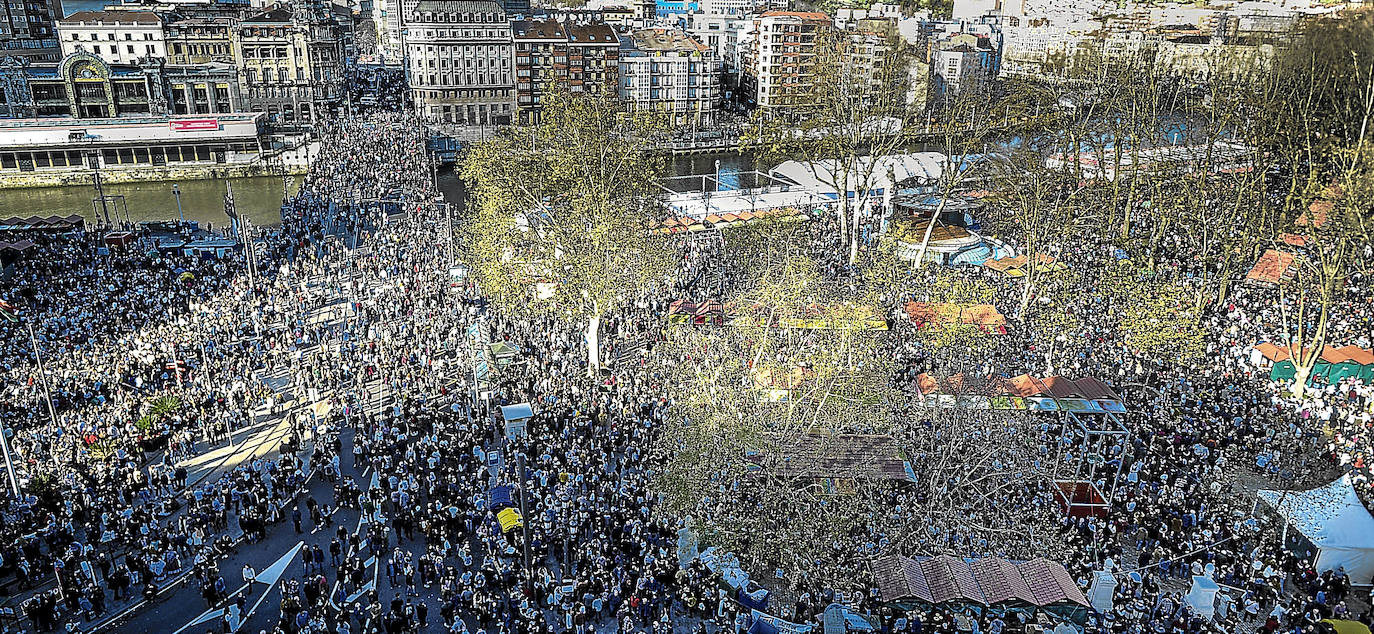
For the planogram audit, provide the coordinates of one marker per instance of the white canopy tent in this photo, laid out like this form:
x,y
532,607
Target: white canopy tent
x,y
1334,520
884,173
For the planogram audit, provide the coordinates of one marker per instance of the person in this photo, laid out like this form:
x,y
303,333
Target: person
x,y
249,575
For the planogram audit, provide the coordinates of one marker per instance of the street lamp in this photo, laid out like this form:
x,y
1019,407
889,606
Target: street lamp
x,y
176,191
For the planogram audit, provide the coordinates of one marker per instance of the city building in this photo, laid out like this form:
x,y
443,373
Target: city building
x,y
83,86
118,37
731,7
777,56
721,33
461,56
292,62
584,56
665,70
670,8
28,30
201,41
961,63
386,19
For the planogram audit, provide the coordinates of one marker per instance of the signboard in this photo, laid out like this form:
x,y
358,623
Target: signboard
x,y
783,627
193,125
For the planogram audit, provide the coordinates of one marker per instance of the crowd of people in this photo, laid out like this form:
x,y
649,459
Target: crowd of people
x,y
151,358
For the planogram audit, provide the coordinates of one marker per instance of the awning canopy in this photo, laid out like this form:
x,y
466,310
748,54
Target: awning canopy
x,y
1334,520
989,581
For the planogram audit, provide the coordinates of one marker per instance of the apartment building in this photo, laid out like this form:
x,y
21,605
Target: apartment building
x,y
584,56
667,71
201,41
962,62
292,62
777,56
118,37
722,33
28,30
461,55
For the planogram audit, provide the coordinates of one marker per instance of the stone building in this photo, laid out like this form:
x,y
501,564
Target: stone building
x,y
461,57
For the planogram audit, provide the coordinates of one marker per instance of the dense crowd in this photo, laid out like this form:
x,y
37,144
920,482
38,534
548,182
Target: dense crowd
x,y
152,357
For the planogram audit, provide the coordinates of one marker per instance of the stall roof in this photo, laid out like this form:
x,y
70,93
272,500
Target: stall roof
x,y
987,581
21,223
1274,267
1025,385
516,412
941,314
1330,354
1358,355
20,246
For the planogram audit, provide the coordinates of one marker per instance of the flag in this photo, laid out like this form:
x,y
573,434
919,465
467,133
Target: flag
x,y
8,311
178,365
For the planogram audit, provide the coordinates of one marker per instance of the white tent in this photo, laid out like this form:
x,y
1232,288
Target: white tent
x,y
1334,520
884,172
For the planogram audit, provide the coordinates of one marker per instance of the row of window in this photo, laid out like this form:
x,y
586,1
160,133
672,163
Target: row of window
x,y
95,37
25,161
465,34
465,94
199,49
148,49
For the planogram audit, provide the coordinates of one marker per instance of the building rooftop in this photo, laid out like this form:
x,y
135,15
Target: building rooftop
x,y
539,30
457,6
275,15
666,40
219,21
113,17
804,15
589,33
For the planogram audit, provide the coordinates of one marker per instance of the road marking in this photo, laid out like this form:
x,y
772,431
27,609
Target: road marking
x,y
274,572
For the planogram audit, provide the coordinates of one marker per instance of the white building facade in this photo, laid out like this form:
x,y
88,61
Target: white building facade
x,y
668,71
117,37
461,55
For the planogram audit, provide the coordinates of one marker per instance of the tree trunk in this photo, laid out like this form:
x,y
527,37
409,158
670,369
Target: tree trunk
x,y
842,215
854,234
930,227
1301,373
593,347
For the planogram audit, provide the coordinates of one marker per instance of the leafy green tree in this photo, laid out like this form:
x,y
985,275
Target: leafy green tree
x,y
853,110
561,209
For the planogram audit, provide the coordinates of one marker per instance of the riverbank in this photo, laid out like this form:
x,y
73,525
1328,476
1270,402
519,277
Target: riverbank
x,y
289,161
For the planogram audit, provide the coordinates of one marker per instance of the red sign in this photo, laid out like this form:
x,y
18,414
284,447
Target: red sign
x,y
193,125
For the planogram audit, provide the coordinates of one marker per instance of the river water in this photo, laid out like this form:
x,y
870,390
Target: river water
x,y
260,197
201,200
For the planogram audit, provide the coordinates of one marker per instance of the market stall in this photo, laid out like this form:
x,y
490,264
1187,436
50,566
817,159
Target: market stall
x,y
1333,521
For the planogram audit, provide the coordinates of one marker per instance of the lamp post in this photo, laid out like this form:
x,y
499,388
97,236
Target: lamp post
x,y
176,192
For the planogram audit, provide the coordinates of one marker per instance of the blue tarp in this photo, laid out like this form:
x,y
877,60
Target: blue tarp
x,y
501,497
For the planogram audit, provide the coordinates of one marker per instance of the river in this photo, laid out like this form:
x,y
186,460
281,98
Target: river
x,y
260,197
